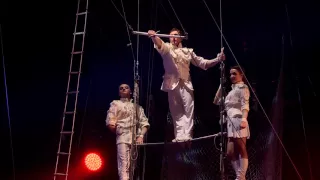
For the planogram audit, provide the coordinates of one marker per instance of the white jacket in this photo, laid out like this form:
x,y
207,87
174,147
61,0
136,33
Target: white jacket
x,y
176,63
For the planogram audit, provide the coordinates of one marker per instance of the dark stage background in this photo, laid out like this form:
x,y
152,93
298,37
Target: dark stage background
x,y
37,40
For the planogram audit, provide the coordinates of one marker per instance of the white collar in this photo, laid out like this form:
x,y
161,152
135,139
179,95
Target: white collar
x,y
239,84
125,99
175,47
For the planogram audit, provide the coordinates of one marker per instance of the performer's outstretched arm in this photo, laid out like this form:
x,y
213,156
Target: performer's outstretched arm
x,y
156,40
206,64
161,47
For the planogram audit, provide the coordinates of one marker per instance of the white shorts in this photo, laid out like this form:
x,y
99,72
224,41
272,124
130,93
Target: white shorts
x,y
234,130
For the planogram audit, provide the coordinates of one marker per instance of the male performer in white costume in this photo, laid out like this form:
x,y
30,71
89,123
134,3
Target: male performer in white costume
x,y
120,120
177,81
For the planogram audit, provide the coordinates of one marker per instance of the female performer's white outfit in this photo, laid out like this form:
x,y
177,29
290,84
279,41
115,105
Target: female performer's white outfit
x,y
123,111
236,101
177,82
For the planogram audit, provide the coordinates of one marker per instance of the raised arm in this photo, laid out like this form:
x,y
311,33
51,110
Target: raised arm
x,y
111,117
158,43
156,40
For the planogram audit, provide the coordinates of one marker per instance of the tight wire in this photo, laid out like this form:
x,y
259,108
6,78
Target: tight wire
x,y
275,132
7,103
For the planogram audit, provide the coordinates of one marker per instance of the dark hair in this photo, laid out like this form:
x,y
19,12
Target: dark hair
x,y
125,84
176,29
241,71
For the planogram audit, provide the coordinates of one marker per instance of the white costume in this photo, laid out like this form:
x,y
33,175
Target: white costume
x,y
236,101
121,114
177,82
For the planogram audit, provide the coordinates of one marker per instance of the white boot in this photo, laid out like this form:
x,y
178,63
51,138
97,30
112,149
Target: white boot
x,y
235,164
242,169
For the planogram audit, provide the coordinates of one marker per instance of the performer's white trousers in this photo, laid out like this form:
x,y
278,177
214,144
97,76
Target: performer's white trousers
x,y
181,104
123,156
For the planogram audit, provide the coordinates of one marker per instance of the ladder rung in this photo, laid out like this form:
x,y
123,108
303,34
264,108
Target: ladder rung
x,y
66,132
69,112
72,92
60,174
75,72
82,13
77,52
63,153
78,33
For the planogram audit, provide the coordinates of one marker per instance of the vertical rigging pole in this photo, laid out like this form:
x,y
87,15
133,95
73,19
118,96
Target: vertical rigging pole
x,y
222,107
135,120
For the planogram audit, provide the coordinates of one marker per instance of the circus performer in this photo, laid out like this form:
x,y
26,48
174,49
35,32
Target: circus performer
x,y
237,108
177,81
120,120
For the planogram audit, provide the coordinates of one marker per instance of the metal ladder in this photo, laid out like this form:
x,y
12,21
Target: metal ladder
x,y
70,106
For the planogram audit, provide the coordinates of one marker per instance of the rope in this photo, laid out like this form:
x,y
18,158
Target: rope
x,y
149,87
128,27
165,11
304,129
84,114
121,15
138,29
177,17
7,103
133,154
221,39
275,132
134,147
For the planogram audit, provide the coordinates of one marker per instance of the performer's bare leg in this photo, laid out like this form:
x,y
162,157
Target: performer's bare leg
x,y
233,155
241,147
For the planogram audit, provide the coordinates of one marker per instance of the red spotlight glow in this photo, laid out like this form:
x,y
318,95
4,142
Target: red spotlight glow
x,y
93,161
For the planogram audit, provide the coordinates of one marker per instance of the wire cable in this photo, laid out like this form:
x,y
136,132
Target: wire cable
x,y
299,98
177,17
7,103
128,27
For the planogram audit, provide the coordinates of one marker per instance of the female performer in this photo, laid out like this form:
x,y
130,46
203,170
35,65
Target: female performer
x,y
120,120
237,108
